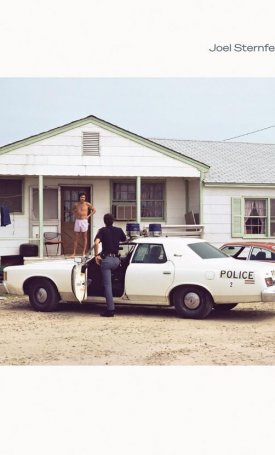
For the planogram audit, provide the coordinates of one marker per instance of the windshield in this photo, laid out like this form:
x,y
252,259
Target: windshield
x,y
206,250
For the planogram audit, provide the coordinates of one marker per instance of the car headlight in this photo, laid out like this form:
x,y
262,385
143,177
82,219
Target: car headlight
x,y
269,281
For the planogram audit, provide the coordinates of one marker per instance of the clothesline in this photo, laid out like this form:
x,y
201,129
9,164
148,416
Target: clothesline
x,y
7,196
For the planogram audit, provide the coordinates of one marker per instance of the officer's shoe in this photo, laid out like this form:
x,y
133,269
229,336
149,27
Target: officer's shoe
x,y
108,314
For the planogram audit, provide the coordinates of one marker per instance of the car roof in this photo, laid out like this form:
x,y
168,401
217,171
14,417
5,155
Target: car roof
x,y
270,245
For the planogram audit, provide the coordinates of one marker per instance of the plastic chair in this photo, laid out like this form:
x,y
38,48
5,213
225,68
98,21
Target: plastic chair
x,y
53,238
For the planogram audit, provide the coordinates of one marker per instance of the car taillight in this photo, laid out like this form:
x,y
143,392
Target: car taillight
x,y
269,281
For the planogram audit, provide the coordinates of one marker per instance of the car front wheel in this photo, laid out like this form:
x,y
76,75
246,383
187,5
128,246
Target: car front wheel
x,y
43,295
192,302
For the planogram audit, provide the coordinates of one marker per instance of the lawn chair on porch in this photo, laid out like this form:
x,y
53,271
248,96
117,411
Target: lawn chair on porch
x,y
53,238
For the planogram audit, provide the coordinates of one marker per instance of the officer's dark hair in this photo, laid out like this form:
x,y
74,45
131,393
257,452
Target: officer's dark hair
x,y
108,219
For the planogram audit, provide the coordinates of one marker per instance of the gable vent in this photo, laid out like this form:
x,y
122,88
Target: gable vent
x,y
90,143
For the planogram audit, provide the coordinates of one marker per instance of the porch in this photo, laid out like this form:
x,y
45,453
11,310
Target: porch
x,y
169,230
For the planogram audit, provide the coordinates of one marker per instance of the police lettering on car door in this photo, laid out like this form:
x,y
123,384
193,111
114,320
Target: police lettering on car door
x,y
237,275
248,277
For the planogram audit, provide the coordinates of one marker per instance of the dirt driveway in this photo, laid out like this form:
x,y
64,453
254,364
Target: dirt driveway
x,y
76,335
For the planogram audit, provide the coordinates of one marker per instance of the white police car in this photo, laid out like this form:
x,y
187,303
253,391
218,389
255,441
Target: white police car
x,y
187,273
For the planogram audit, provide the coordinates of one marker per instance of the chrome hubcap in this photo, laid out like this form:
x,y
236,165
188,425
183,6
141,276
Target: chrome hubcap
x,y
191,300
41,295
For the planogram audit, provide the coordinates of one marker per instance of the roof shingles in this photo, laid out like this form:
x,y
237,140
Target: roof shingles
x,y
230,162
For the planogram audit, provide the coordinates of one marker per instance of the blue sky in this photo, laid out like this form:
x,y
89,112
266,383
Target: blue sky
x,y
182,108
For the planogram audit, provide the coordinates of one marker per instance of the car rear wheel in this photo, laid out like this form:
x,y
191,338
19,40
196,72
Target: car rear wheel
x,y
192,302
225,306
43,295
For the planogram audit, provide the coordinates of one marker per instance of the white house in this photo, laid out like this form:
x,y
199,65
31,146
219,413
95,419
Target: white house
x,y
238,195
229,187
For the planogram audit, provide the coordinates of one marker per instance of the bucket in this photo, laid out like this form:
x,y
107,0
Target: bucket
x,y
28,249
133,229
155,229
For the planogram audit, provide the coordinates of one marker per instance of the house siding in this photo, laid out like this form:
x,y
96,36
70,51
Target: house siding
x,y
57,156
119,156
217,210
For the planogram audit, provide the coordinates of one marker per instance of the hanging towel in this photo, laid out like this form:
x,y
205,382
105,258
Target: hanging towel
x,y
5,216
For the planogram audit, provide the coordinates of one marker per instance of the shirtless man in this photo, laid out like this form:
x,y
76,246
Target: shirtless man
x,y
81,212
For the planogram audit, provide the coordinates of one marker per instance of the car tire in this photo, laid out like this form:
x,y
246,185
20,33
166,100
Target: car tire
x,y
225,306
192,302
43,295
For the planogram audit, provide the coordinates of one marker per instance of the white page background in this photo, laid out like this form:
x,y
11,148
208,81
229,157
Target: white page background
x,y
145,38
136,410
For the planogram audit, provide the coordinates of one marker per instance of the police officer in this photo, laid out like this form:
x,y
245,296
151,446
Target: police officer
x,y
108,259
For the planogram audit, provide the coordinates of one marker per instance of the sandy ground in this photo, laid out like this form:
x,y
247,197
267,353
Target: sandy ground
x,y
76,335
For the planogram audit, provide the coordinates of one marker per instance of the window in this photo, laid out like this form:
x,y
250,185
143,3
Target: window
x,y
272,217
206,250
124,200
238,251
149,254
262,254
253,217
11,192
124,192
246,252
50,204
152,200
90,143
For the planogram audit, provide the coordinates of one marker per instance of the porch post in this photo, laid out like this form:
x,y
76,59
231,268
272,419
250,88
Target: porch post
x,y
138,189
41,220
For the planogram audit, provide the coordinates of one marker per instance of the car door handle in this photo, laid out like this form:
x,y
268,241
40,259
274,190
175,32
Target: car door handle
x,y
166,272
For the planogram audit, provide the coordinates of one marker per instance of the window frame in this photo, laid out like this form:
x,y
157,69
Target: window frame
x,y
148,247
254,221
238,217
35,189
133,202
163,201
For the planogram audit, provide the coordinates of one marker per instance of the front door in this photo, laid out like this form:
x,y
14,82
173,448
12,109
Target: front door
x,y
69,196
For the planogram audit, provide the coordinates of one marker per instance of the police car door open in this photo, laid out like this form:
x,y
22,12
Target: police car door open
x,y
79,282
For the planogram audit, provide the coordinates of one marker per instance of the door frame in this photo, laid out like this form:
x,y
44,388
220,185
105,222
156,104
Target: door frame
x,y
79,188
